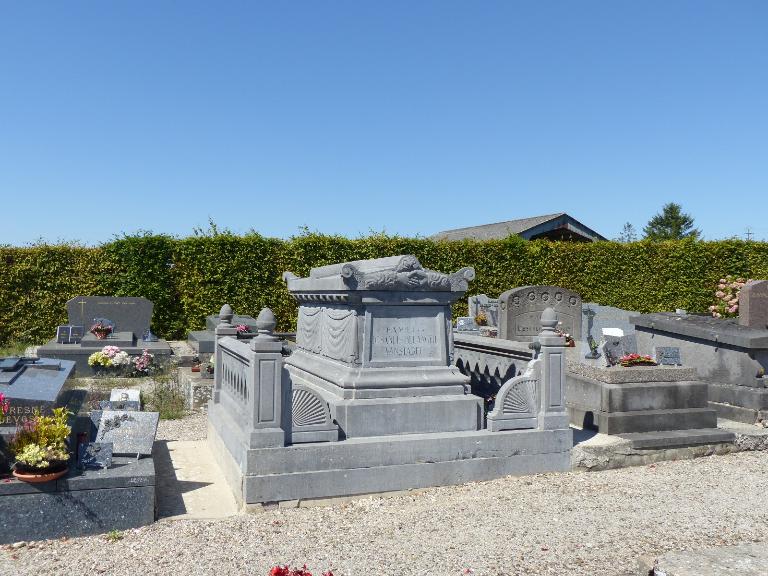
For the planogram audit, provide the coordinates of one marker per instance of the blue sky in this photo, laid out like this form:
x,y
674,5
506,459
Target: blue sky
x,y
405,116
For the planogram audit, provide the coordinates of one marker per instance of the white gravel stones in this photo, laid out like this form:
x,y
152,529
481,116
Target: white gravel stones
x,y
548,524
194,426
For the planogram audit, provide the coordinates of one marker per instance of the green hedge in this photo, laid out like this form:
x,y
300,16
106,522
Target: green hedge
x,y
190,278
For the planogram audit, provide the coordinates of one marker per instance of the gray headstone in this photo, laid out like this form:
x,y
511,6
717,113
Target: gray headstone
x,y
130,314
130,432
753,305
615,347
125,395
596,317
667,355
488,306
520,311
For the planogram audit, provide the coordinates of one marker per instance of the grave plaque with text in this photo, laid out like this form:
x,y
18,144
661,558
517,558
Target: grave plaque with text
x,y
132,433
412,335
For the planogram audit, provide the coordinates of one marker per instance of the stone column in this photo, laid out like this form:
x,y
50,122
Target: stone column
x,y
552,411
224,328
269,419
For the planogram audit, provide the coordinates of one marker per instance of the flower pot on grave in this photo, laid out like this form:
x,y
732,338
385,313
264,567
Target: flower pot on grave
x,y
101,334
53,471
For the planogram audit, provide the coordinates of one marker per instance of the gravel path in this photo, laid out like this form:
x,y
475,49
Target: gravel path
x,y
551,524
194,426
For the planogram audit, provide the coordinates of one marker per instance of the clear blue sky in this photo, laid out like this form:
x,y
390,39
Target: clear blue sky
x,y
406,116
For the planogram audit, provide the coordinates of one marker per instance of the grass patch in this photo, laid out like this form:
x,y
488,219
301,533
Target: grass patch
x,y
15,348
167,396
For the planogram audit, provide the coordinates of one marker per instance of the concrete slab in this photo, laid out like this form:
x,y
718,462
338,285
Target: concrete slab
x,y
744,560
190,484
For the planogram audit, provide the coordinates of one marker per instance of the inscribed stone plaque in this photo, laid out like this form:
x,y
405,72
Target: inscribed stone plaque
x,y
131,314
130,432
95,455
125,394
466,324
520,311
412,335
753,305
127,405
68,334
667,355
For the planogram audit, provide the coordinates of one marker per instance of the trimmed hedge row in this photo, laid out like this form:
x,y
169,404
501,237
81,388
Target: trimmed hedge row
x,y
190,278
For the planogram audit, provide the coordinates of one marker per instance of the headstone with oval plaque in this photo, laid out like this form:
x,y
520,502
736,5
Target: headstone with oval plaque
x,y
520,311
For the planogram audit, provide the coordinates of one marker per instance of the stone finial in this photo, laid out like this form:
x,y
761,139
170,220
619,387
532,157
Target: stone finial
x,y
225,315
548,321
265,324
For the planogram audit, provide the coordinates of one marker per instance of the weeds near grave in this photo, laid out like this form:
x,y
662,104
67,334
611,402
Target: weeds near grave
x,y
167,396
114,536
14,348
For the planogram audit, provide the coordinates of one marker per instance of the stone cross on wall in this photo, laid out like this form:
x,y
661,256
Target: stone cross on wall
x,y
753,305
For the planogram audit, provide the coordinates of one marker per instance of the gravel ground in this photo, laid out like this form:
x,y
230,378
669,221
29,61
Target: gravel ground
x,y
194,426
551,524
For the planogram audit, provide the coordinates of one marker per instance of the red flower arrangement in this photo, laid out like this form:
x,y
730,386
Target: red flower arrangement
x,y
5,404
288,571
101,330
636,360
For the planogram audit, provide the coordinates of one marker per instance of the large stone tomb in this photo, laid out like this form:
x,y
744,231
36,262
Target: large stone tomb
x,y
375,336
521,308
730,356
369,401
131,316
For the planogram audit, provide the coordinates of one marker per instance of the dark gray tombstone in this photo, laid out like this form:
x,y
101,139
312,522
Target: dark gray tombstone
x,y
520,311
753,305
667,355
32,385
130,314
130,432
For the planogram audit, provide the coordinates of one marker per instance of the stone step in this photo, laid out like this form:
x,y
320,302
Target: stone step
x,y
656,420
678,438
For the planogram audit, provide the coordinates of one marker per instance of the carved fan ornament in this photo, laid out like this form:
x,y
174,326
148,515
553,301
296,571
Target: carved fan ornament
x,y
307,409
521,397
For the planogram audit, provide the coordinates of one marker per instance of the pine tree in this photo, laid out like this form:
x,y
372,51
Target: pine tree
x,y
671,224
628,233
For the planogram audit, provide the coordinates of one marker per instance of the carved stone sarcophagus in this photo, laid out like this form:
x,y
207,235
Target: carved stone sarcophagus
x,y
375,337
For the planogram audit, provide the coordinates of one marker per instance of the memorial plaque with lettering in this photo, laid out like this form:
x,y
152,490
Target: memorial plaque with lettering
x,y
130,314
466,324
95,455
667,355
130,432
127,405
520,311
480,303
125,395
404,336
